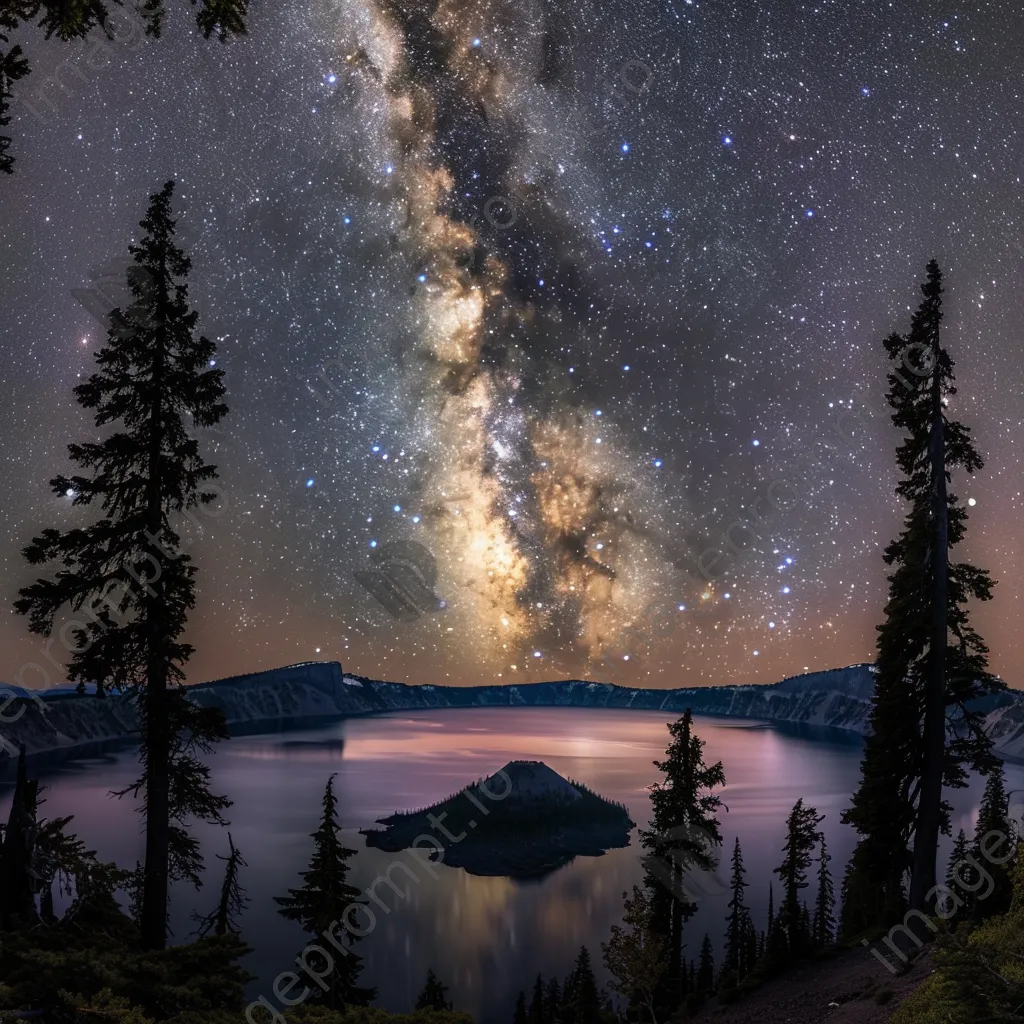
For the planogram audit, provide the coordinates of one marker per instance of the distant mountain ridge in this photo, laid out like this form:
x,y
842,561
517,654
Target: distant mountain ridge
x,y
278,698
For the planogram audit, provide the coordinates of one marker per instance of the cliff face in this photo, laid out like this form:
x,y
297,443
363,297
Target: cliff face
x,y
837,698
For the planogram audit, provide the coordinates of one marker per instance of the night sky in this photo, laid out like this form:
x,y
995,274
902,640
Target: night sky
x,y
559,292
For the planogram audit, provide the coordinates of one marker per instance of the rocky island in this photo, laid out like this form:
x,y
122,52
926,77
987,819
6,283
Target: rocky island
x,y
524,822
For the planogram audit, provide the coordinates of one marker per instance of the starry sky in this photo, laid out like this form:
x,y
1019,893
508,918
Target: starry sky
x,y
522,307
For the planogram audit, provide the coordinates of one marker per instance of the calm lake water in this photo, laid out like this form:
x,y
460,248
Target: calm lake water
x,y
485,937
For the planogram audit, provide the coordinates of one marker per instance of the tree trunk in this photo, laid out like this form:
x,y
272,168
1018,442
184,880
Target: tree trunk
x,y
926,836
157,726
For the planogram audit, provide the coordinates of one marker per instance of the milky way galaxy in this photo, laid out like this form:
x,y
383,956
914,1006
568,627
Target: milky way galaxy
x,y
582,302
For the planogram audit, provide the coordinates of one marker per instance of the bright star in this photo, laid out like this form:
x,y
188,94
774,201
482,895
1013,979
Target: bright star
x,y
310,482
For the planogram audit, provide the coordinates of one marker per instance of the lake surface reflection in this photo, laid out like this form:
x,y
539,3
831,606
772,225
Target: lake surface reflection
x,y
485,937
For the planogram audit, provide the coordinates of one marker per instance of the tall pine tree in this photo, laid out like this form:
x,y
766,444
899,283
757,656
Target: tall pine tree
x,y
931,664
802,836
519,1015
684,838
737,923
535,1014
960,881
994,846
553,1002
581,1002
125,574
320,905
823,928
705,979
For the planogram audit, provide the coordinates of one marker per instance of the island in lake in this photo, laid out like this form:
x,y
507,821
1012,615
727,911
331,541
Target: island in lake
x,y
523,822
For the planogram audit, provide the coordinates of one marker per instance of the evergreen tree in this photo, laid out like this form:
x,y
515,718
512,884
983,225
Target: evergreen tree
x,y
825,901
434,995
960,881
738,920
705,979
535,1014
581,1001
125,574
771,910
635,955
924,682
997,850
553,1003
223,919
753,946
684,838
18,880
13,67
801,837
977,973
320,906
519,1017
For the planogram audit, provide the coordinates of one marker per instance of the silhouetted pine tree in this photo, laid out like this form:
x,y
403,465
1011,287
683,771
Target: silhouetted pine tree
x,y
125,574
801,837
961,881
18,880
752,946
320,906
684,837
997,851
13,67
519,1016
823,929
771,911
581,1003
738,919
434,995
921,675
705,979
553,1003
223,919
535,1014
